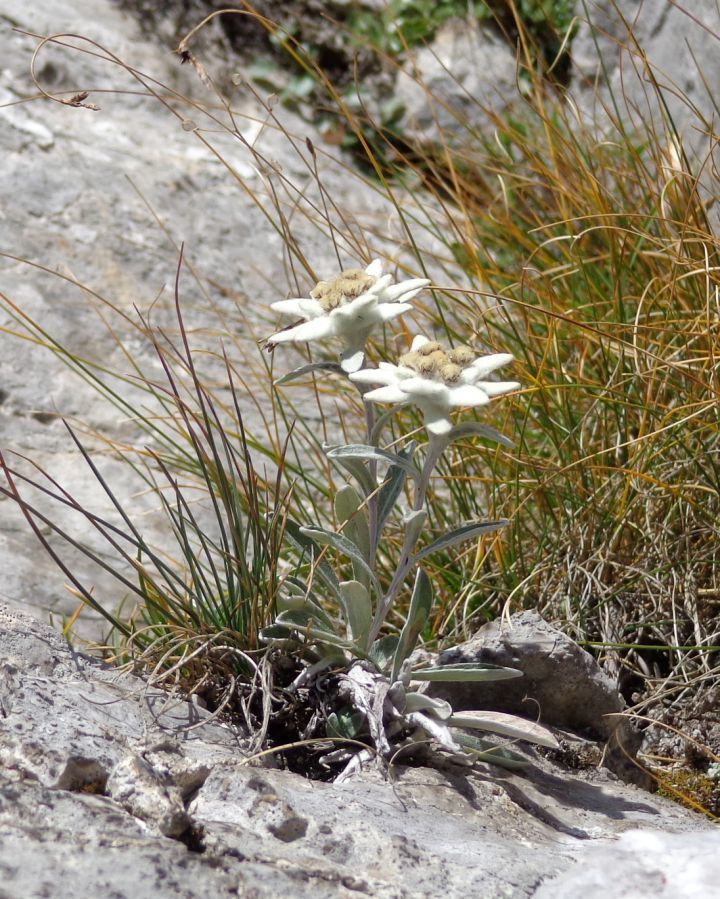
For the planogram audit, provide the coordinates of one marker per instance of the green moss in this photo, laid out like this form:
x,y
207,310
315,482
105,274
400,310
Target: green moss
x,y
691,788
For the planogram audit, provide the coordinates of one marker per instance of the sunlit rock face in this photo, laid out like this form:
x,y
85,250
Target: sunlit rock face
x,y
108,785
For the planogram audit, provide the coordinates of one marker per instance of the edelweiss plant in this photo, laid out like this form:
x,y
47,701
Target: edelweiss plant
x,y
360,680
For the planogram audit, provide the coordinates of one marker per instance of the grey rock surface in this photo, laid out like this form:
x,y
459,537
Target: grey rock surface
x,y
643,865
675,43
563,685
109,787
446,83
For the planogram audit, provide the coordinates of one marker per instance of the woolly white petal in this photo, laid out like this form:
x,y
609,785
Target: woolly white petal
x,y
395,292
418,342
484,366
408,295
374,375
381,285
358,307
497,388
374,269
437,423
390,394
468,395
303,306
315,329
388,311
424,388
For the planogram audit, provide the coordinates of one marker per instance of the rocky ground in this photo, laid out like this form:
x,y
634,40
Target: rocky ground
x,y
108,786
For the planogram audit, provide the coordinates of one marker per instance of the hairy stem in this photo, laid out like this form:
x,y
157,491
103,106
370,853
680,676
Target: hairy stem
x,y
435,449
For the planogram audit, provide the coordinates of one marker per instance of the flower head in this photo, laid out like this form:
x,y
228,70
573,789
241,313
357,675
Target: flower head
x,y
437,380
349,307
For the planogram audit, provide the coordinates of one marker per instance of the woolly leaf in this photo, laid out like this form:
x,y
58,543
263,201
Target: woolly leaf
x,y
476,429
358,610
355,467
414,522
349,512
466,532
486,751
420,605
507,726
308,369
295,535
345,724
346,547
474,672
361,451
421,702
382,652
393,484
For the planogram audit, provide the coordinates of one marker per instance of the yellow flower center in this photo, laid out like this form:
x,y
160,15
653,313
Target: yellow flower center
x,y
348,286
434,361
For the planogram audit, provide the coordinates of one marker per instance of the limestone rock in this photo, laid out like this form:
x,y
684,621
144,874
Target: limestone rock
x,y
643,865
466,69
105,789
563,685
145,793
678,42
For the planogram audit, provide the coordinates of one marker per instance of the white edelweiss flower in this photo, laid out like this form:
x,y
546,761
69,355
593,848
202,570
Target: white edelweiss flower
x,y
437,380
349,307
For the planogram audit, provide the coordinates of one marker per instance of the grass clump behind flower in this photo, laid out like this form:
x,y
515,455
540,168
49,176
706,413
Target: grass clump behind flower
x,y
596,247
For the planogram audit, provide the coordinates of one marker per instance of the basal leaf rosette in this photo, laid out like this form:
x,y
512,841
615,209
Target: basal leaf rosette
x,y
437,380
350,307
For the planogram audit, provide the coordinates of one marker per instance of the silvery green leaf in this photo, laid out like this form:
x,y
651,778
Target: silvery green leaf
x,y
353,516
420,605
380,423
295,586
362,451
507,726
485,751
309,628
476,429
435,729
393,484
414,523
356,467
417,702
306,605
328,661
307,369
290,603
382,652
295,534
474,672
358,610
275,633
346,547
466,532
347,723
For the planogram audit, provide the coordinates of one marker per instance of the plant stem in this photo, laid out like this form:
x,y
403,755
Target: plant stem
x,y
435,448
372,500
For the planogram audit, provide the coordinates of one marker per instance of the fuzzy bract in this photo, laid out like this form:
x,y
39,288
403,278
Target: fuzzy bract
x,y
349,307
436,381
